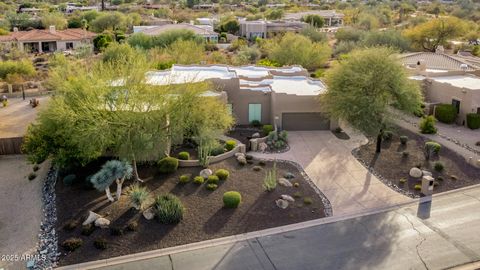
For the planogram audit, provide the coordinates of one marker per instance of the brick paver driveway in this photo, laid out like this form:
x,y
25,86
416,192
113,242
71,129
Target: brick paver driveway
x,y
329,163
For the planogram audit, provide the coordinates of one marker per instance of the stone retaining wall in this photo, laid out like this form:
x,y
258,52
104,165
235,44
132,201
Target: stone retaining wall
x,y
240,148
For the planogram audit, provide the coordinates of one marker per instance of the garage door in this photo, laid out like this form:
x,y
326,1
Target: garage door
x,y
305,121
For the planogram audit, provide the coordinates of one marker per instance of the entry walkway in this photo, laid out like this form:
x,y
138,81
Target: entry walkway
x,y
328,161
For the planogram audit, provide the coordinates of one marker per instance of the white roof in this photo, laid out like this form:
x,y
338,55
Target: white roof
x,y
259,72
186,74
297,85
469,82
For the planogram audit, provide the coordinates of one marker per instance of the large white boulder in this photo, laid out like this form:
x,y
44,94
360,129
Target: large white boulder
x,y
102,223
415,172
284,182
262,147
205,173
242,160
92,217
148,214
287,198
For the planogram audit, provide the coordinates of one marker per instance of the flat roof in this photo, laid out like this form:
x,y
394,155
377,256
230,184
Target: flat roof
x,y
189,74
469,82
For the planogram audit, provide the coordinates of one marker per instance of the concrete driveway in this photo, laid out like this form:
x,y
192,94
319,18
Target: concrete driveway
x,y
329,163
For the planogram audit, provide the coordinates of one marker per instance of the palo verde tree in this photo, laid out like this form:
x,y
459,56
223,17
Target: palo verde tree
x,y
363,87
112,171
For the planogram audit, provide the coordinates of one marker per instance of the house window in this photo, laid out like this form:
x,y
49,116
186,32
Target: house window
x,y
456,104
254,112
69,45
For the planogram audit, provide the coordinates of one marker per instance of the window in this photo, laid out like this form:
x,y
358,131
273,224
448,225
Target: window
x,y
456,104
254,112
69,45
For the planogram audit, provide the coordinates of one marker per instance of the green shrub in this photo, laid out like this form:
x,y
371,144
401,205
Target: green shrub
x,y
72,243
217,150
307,200
427,125
403,140
213,179
387,135
267,129
168,165
185,178
431,148
88,229
32,176
418,187
229,145
297,194
168,209
100,243
222,174
132,226
70,225
231,199
403,180
473,120
255,123
446,113
115,231
138,196
35,168
198,180
438,166
183,156
69,179
212,186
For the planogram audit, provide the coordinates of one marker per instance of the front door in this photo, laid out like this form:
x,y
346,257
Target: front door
x,y
456,104
254,112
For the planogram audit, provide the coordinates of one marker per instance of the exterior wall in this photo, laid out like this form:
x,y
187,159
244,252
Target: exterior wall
x,y
61,45
249,30
284,103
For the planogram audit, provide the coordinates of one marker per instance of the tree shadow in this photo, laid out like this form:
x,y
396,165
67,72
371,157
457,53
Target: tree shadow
x,y
218,220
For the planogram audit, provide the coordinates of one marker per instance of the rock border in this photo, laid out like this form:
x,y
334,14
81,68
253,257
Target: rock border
x,y
327,206
47,254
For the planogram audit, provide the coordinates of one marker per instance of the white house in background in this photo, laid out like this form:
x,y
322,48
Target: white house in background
x,y
50,40
72,7
206,31
331,17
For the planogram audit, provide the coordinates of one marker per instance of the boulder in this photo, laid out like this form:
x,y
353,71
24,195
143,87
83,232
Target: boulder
x,y
92,217
242,160
239,154
287,198
102,223
281,203
289,175
426,173
205,173
284,182
256,135
148,214
415,172
262,147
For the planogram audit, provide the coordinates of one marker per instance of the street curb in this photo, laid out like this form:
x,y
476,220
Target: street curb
x,y
250,235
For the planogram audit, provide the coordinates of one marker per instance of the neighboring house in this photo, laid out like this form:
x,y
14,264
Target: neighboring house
x,y
331,17
51,40
205,31
72,7
447,79
267,29
31,11
286,97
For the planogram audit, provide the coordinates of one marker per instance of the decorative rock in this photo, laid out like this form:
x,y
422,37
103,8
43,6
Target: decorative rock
x,y
256,135
148,214
289,175
205,173
415,172
284,182
239,154
242,160
287,198
92,216
262,147
426,173
281,203
102,223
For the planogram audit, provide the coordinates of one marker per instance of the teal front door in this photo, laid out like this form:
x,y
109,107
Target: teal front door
x,y
254,112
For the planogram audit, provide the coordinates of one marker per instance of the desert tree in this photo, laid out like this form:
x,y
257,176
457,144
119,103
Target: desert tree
x,y
112,171
364,86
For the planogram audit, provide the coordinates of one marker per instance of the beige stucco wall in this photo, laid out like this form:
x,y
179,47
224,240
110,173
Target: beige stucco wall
x,y
284,103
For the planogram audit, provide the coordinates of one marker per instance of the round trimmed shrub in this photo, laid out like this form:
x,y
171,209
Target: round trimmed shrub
x,y
267,129
72,243
256,123
387,135
231,199
69,179
184,179
307,200
212,187
473,120
88,229
403,140
438,166
230,144
417,187
446,113
167,165
433,147
100,243
217,151
32,176
213,179
222,174
132,226
198,180
184,156
427,125
168,209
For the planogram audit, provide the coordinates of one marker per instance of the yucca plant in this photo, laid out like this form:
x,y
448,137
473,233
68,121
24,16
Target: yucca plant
x,y
270,180
138,196
112,171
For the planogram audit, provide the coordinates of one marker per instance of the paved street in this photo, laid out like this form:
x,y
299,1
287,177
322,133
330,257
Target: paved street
x,y
329,163
436,235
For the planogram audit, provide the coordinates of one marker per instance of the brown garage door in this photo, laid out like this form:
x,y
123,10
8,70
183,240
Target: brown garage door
x,y
305,121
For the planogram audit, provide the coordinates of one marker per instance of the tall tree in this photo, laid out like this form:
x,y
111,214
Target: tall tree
x,y
363,86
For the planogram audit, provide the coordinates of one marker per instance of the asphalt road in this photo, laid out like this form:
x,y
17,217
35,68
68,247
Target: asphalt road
x,y
438,235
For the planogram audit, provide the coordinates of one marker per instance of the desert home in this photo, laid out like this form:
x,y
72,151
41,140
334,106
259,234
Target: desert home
x,y
49,40
285,97
205,31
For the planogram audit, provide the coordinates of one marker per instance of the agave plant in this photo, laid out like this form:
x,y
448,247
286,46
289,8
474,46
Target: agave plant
x,y
112,171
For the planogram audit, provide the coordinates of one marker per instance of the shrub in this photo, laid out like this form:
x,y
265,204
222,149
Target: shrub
x,y
32,176
88,229
270,180
217,150
473,120
446,113
248,157
307,200
138,196
418,187
231,199
229,145
427,125
297,194
257,168
116,231
405,154
255,123
222,174
132,226
72,243
403,140
168,165
267,129
387,135
185,178
198,180
431,148
438,166
168,209
69,179
296,184
212,186
262,163
213,179
100,243
402,180
35,168
183,156
70,225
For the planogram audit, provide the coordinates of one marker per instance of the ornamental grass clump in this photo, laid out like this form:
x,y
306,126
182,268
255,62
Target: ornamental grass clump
x,y
138,196
270,180
168,209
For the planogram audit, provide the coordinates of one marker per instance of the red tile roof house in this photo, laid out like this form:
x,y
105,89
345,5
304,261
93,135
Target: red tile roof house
x,y
48,40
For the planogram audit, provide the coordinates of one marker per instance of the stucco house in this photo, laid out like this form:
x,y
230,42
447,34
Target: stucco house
x,y
267,29
49,40
285,97
206,31
331,17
